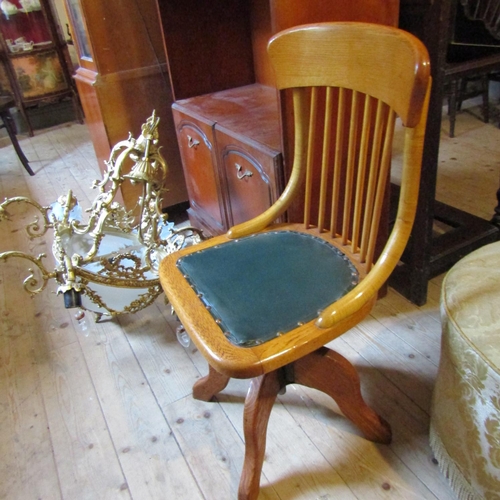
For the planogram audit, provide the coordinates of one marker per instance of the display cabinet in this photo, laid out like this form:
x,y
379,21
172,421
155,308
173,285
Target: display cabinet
x,y
122,77
34,57
227,113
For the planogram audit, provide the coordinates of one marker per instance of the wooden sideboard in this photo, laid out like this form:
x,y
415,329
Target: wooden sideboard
x,y
235,133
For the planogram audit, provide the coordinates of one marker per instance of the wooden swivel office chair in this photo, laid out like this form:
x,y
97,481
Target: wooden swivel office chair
x,y
261,301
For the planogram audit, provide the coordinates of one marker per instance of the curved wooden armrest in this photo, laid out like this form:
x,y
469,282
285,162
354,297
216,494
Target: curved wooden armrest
x,y
266,218
296,177
256,224
371,284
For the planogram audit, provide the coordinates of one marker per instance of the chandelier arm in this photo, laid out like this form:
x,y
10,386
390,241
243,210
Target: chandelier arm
x,y
33,230
79,260
111,162
32,284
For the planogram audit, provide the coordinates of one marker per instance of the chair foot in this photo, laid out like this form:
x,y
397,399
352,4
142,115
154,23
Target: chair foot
x,y
331,373
258,405
210,385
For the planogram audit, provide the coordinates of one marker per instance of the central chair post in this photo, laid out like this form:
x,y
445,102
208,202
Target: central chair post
x,y
324,370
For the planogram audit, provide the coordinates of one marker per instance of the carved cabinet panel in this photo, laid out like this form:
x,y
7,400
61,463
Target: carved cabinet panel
x,y
195,137
230,150
251,175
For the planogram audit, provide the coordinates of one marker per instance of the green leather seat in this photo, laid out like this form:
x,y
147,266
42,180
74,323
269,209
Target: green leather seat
x,y
265,285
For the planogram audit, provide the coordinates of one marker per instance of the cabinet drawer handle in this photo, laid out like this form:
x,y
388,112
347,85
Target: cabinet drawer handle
x,y
192,143
240,174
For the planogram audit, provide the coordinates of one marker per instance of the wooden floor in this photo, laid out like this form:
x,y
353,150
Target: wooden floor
x,y
104,411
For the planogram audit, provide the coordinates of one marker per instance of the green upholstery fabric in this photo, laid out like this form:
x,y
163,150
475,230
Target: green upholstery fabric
x,y
266,284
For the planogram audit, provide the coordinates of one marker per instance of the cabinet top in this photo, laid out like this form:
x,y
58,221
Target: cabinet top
x,y
251,111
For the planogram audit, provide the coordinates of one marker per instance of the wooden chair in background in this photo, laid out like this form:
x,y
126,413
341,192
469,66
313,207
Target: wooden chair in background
x,y
473,54
262,301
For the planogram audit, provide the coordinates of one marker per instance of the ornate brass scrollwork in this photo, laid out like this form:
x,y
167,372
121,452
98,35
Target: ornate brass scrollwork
x,y
115,253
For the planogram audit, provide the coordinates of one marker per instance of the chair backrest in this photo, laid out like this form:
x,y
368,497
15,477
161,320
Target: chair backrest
x,y
349,82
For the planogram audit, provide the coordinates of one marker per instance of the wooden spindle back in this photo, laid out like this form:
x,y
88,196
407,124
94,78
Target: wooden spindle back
x,y
349,82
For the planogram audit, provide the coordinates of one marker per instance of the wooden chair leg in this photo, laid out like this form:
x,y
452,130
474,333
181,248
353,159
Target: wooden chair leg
x,y
332,374
258,405
210,385
325,370
10,127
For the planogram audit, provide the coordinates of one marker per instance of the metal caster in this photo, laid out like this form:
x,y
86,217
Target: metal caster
x,y
183,337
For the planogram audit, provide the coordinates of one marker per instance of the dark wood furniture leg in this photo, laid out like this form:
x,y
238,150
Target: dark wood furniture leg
x,y
452,106
11,130
496,217
485,92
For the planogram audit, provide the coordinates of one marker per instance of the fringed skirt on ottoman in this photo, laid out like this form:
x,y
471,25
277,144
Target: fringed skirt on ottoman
x,y
465,419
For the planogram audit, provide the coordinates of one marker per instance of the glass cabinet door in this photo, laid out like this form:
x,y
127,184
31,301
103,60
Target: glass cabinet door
x,y
23,25
33,55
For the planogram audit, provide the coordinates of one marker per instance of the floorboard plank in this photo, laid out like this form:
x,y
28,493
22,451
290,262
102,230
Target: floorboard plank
x,y
153,464
27,468
86,458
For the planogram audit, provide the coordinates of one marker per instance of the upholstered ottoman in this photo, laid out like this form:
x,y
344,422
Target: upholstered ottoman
x,y
465,418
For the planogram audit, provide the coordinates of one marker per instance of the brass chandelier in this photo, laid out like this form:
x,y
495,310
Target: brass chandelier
x,y
108,264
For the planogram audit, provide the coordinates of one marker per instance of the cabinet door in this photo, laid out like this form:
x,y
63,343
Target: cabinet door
x,y
251,173
196,143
